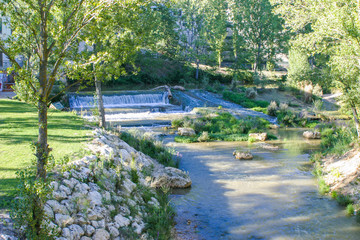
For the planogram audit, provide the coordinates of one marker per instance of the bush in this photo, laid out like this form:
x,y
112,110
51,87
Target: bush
x,y
250,93
28,208
272,108
204,137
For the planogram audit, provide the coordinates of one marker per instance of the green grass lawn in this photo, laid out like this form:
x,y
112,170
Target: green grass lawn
x,y
18,128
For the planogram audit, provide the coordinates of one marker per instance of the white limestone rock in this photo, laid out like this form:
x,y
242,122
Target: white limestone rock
x,y
95,199
89,230
121,221
259,136
63,220
171,177
101,234
57,207
114,232
186,132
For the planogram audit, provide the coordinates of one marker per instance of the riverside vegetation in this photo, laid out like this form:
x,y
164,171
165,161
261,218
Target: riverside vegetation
x,y
335,165
211,126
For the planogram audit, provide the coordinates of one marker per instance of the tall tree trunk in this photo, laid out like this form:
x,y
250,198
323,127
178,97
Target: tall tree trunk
x,y
257,61
42,154
197,69
100,101
356,119
42,148
219,58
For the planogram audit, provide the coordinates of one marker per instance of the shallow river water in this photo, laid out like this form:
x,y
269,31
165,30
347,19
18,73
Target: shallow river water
x,y
273,196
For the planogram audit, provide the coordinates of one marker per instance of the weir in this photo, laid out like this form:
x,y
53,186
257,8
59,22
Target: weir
x,y
126,100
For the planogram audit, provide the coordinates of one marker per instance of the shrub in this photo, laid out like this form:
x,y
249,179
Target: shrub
x,y
323,187
204,137
350,209
28,208
250,93
272,108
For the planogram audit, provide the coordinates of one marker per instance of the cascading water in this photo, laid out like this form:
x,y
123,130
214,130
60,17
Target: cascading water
x,y
120,101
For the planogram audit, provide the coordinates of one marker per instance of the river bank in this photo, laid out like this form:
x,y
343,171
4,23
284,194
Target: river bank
x,y
342,176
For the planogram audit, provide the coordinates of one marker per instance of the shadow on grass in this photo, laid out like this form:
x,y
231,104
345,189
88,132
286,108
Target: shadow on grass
x,y
7,191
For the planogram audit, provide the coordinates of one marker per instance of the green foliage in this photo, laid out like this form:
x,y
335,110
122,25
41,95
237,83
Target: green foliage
x,y
323,187
27,209
159,220
330,29
260,109
342,199
350,209
244,76
257,30
337,141
149,147
222,126
241,99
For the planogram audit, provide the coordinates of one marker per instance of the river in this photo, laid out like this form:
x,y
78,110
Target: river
x,y
274,196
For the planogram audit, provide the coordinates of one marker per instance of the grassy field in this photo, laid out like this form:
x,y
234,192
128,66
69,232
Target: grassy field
x,y
18,128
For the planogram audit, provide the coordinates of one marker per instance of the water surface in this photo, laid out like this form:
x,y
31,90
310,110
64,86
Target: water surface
x,y
273,196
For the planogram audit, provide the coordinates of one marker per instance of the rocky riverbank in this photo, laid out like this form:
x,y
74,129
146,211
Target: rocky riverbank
x,y
342,175
108,194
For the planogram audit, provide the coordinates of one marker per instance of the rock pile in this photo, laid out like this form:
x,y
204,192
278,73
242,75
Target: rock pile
x,y
106,194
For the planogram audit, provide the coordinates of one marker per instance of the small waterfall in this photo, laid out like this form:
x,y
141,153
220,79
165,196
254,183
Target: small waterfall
x,y
121,101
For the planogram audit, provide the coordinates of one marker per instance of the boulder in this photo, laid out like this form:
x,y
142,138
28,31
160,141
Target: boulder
x,y
311,135
258,136
121,221
63,220
242,155
186,132
101,234
171,177
95,198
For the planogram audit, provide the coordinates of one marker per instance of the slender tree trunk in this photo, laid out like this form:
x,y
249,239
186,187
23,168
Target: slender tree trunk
x,y
42,148
257,61
219,58
100,101
197,69
356,119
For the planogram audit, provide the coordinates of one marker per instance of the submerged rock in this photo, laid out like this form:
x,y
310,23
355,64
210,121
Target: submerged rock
x,y
258,136
267,146
242,155
312,135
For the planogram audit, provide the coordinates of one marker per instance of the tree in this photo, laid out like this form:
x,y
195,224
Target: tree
x,y
192,31
335,32
216,24
44,35
256,30
115,37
